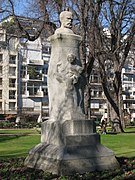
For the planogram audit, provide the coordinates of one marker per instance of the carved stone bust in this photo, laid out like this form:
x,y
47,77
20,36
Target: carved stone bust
x,y
66,19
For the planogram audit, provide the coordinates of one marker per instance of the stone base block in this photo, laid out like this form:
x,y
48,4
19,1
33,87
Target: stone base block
x,y
67,160
54,132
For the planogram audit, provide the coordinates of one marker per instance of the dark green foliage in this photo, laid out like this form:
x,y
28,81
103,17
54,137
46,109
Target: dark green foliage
x,y
14,169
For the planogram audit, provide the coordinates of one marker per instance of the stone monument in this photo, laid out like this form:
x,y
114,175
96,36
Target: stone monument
x,y
69,142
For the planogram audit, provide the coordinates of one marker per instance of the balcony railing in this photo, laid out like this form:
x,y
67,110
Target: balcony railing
x,y
130,98
12,61
12,85
97,97
129,71
34,77
33,92
12,96
12,74
12,108
35,62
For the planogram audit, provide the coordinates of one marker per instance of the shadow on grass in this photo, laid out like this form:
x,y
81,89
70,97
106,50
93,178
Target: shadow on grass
x,y
130,132
11,137
112,133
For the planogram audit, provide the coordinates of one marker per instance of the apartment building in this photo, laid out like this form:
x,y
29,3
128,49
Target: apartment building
x,y
128,84
23,77
33,65
8,75
98,99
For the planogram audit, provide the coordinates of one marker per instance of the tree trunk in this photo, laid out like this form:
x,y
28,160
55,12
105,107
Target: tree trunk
x,y
121,107
115,121
87,97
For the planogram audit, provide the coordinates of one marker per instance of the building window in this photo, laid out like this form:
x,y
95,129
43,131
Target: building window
x,y
12,44
45,81
128,69
0,105
33,88
45,90
23,72
12,59
23,88
95,78
12,71
12,105
12,94
0,94
0,70
0,81
45,68
45,103
46,50
128,77
24,60
1,58
12,82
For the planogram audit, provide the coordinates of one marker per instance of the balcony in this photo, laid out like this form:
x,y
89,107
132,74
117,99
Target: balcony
x,y
37,77
34,73
129,71
46,58
35,62
98,97
27,110
129,98
34,92
38,94
132,106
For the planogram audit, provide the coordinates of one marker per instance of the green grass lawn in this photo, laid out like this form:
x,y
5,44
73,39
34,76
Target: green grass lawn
x,y
17,145
18,131
121,144
14,148
21,141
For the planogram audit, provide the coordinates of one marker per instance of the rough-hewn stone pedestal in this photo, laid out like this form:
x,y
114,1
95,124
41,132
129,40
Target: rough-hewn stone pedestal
x,y
70,147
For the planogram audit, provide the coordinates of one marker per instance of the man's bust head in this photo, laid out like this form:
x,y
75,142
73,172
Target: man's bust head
x,y
66,19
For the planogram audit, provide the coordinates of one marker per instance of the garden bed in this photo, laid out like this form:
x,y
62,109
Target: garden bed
x,y
14,168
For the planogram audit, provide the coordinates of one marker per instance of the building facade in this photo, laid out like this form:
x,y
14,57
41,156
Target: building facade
x,y
98,99
23,77
128,84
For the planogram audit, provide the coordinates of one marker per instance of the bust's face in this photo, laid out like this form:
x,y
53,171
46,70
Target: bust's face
x,y
66,20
